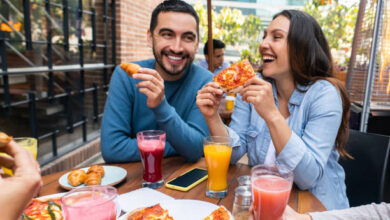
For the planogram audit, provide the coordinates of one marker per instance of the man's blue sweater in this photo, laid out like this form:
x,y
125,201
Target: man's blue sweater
x,y
126,113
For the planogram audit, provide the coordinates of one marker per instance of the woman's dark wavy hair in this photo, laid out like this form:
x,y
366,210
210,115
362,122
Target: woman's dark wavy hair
x,y
311,60
173,6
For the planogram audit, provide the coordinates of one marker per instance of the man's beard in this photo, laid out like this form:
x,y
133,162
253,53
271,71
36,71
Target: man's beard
x,y
175,69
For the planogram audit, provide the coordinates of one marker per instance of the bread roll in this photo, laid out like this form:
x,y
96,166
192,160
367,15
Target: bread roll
x,y
76,177
130,68
93,179
97,169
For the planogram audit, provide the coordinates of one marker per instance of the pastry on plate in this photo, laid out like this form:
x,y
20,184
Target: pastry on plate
x,y
96,169
77,177
93,179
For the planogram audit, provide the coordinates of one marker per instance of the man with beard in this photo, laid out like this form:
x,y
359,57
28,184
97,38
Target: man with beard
x,y
162,94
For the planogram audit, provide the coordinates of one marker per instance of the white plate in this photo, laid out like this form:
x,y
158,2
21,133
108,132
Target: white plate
x,y
142,197
112,176
51,196
186,209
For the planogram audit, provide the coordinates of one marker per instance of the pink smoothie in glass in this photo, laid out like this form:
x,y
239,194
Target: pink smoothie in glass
x,y
272,192
152,152
97,208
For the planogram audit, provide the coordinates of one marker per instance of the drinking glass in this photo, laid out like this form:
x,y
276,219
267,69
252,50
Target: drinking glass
x,y
151,145
28,143
90,202
271,186
217,153
229,102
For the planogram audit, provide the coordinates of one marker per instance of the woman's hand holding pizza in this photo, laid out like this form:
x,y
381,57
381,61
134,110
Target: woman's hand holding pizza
x,y
208,99
152,85
259,93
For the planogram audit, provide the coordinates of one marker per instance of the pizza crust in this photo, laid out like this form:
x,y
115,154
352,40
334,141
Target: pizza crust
x,y
150,213
131,215
233,90
221,213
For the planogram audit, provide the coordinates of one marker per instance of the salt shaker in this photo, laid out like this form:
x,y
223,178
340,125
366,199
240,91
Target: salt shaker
x,y
242,202
244,180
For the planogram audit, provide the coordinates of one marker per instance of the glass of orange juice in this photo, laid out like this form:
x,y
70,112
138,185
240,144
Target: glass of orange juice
x,y
217,153
28,143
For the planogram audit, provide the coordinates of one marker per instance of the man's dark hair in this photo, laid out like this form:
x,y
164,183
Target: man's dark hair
x,y
217,44
173,6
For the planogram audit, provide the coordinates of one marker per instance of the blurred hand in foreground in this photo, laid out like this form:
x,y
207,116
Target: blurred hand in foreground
x,y
17,191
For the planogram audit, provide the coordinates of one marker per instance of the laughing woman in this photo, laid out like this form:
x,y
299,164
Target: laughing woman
x,y
296,114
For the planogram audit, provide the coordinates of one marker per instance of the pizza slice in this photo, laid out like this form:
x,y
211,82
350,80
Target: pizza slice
x,y
130,68
155,212
43,209
233,78
219,214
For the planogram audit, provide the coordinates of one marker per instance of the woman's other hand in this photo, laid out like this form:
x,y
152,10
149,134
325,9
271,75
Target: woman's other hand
x,y
259,93
208,99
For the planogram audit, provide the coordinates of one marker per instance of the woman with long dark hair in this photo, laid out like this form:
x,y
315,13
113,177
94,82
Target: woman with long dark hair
x,y
296,114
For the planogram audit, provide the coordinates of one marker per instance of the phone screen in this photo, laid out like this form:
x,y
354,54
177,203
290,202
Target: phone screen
x,y
189,178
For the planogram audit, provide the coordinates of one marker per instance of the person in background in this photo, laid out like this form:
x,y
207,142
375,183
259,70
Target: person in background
x,y
296,114
17,191
218,57
162,94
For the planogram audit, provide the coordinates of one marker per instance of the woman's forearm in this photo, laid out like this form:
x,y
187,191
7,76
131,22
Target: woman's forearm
x,y
216,126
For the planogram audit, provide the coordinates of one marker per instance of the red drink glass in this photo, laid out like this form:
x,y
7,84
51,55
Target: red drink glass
x,y
151,145
271,186
90,202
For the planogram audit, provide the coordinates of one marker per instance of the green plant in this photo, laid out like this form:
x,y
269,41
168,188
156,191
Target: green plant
x,y
337,22
233,28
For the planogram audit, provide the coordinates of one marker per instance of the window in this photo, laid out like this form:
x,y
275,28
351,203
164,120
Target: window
x,y
55,60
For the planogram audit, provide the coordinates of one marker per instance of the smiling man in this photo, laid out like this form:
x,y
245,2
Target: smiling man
x,y
162,94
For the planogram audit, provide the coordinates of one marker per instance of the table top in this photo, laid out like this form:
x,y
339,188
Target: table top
x,y
301,201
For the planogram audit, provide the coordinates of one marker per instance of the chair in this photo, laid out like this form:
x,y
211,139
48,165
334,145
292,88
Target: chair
x,y
367,174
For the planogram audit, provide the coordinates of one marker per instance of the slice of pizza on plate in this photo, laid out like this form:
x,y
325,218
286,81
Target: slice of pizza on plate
x,y
219,214
155,212
233,78
43,209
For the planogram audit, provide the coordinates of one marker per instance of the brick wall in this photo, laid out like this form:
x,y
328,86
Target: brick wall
x,y
132,23
133,18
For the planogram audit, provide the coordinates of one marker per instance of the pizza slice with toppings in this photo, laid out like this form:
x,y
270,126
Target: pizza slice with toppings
x,y
155,212
233,78
219,214
43,209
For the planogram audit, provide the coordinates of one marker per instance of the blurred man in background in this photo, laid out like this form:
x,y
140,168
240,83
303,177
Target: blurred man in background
x,y
218,57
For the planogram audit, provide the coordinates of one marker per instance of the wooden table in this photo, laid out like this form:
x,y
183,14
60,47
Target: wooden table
x,y
302,201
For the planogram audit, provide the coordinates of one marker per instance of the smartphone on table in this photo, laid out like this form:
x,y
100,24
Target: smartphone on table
x,y
187,180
